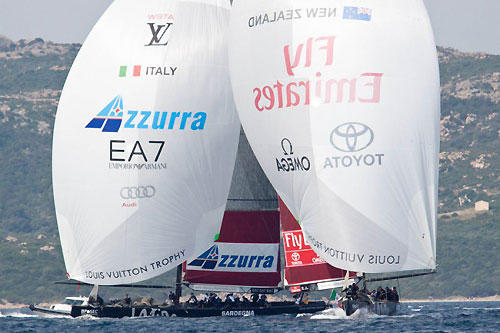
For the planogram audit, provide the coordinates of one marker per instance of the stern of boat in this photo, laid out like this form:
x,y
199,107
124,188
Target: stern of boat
x,y
385,308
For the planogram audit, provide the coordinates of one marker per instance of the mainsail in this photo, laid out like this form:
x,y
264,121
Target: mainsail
x,y
250,227
145,140
340,103
303,266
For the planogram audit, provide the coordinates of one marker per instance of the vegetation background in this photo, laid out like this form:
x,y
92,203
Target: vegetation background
x,y
32,74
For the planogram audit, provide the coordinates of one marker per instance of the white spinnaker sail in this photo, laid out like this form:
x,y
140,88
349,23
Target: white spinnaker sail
x,y
339,100
145,140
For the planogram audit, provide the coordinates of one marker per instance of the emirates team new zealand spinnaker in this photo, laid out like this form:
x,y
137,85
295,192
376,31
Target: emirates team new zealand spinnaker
x,y
339,101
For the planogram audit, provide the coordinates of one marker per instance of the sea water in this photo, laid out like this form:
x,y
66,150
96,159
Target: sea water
x,y
413,317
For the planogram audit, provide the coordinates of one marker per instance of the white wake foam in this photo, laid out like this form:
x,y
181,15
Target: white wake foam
x,y
17,315
87,317
339,314
405,316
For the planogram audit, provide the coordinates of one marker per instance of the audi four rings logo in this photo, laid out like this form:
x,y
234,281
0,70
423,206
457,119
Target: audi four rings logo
x,y
140,192
352,137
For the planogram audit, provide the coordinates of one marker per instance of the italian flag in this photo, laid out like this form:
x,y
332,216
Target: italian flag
x,y
136,71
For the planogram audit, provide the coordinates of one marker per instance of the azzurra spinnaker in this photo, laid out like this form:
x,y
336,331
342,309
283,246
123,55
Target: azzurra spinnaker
x,y
145,140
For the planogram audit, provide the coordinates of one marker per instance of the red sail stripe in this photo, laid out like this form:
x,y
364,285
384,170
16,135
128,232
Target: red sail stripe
x,y
245,227
250,227
303,265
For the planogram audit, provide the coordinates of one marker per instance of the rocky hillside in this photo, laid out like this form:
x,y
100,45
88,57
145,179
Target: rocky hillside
x,y
470,130
32,73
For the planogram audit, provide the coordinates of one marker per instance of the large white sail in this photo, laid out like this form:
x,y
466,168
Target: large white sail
x,y
340,102
145,140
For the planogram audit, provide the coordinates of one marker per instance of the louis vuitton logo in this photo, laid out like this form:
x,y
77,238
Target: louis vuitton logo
x,y
159,32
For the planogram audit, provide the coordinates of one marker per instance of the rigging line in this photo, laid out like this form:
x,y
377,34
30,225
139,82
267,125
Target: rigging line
x,y
270,200
399,290
76,283
399,277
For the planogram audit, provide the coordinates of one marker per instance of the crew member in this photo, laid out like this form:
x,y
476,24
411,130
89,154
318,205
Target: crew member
x,y
262,300
127,300
395,296
192,300
171,297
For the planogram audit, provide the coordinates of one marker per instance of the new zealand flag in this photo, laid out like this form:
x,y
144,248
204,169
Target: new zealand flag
x,y
357,13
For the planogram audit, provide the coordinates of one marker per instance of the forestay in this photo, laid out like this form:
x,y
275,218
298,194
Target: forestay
x,y
340,103
145,140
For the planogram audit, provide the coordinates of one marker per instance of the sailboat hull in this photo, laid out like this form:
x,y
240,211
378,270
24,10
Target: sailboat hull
x,y
273,308
47,312
385,308
378,308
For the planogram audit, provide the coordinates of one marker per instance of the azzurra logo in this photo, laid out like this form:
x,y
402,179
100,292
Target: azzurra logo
x,y
208,259
212,260
111,117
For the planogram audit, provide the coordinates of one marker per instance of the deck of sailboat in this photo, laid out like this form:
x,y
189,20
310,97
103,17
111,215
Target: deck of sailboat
x,y
272,308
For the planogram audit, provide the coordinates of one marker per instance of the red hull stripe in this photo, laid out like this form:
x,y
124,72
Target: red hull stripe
x,y
234,279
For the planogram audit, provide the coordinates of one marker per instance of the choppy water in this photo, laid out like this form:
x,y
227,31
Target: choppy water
x,y
414,317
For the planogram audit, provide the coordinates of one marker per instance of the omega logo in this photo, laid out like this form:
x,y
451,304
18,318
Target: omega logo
x,y
287,147
291,163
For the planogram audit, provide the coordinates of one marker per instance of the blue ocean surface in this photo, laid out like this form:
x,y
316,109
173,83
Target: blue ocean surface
x,y
413,317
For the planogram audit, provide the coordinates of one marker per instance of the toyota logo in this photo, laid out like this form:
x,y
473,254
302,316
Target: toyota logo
x,y
295,256
352,137
140,192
